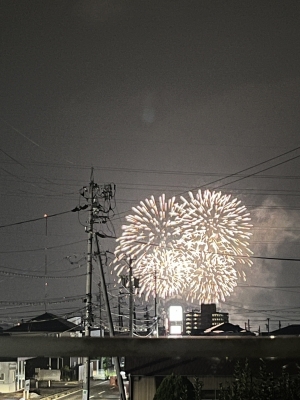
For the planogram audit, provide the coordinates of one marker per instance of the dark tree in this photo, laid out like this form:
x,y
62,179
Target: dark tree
x,y
175,387
262,387
198,389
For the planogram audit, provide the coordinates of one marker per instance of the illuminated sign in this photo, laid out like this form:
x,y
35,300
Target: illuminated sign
x,y
175,330
175,314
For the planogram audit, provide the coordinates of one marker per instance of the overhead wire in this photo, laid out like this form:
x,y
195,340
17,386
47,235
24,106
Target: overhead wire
x,y
207,184
239,172
16,274
224,185
41,302
37,219
225,254
41,248
251,167
255,173
34,173
28,138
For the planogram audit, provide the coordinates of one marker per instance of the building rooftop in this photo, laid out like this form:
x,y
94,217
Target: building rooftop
x,y
287,330
46,322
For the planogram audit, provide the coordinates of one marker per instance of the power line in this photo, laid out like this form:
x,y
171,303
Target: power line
x,y
43,218
269,287
248,168
24,166
8,273
42,302
241,171
41,248
224,254
28,138
255,173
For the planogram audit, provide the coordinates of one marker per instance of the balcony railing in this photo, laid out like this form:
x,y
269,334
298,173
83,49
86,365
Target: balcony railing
x,y
250,347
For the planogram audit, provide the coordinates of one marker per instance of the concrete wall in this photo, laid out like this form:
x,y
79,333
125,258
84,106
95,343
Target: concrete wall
x,y
7,387
48,374
8,376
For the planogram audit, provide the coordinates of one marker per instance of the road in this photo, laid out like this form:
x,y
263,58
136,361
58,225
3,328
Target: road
x,y
98,390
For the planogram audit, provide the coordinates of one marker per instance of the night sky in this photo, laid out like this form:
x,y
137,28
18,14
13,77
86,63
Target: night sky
x,y
158,97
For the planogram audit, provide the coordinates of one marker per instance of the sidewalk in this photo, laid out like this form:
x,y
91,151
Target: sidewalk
x,y
62,388
58,389
55,389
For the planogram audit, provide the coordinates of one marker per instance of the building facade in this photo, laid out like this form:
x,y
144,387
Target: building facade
x,y
196,321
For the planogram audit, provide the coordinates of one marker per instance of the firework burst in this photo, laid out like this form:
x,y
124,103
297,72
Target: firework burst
x,y
216,223
150,239
200,244
163,273
215,230
153,224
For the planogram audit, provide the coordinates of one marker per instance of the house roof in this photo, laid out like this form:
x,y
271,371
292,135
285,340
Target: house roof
x,y
224,327
287,330
137,366
146,366
46,322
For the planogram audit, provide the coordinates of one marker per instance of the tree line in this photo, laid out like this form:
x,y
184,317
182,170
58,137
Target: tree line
x,y
245,385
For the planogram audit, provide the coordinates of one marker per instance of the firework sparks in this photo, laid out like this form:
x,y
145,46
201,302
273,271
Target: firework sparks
x,y
215,230
216,223
162,273
212,279
200,244
152,225
150,240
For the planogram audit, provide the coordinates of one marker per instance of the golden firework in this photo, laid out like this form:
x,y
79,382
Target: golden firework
x,y
201,244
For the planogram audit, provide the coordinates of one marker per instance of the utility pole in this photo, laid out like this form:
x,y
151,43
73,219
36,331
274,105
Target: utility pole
x,y
130,299
110,321
119,310
147,318
100,309
128,282
88,312
46,262
155,304
97,198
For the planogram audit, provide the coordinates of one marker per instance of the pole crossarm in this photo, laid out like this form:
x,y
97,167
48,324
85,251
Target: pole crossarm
x,y
250,347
